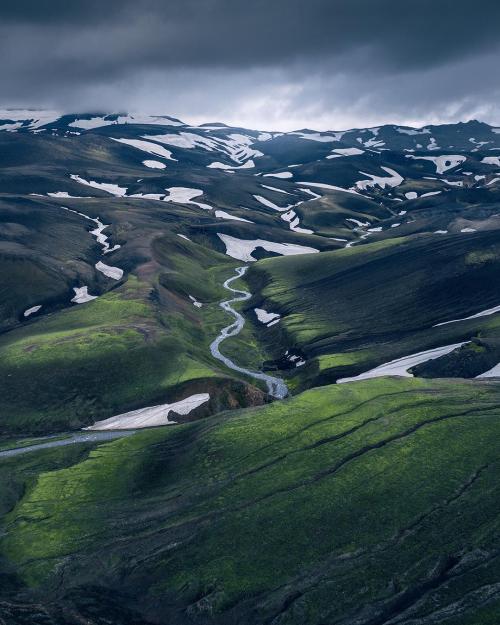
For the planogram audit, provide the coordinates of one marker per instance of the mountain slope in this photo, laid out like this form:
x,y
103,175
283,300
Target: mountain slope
x,y
346,504
154,273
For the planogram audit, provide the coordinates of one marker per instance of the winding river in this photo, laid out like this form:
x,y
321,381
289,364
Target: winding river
x,y
72,439
276,386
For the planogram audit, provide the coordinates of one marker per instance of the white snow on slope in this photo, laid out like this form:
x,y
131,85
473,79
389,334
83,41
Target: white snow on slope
x,y
393,180
400,366
66,195
148,196
93,122
31,311
494,372
287,214
411,195
101,238
316,136
373,143
432,144
358,223
152,416
36,119
412,131
265,186
315,196
272,205
468,230
442,163
110,188
99,122
236,146
323,185
82,295
294,220
154,164
337,153
11,127
110,272
230,168
430,193
242,249
186,140
267,318
185,195
147,146
491,160
483,313
281,174
224,215
195,302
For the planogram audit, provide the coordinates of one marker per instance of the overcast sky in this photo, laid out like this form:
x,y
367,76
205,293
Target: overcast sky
x,y
267,64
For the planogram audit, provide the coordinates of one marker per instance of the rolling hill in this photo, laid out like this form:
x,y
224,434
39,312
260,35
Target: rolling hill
x,y
248,377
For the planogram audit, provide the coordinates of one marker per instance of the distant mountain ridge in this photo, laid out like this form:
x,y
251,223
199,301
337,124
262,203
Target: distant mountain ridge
x,y
472,134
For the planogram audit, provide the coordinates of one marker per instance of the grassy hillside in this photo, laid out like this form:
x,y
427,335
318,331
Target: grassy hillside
x,y
351,310
141,344
366,503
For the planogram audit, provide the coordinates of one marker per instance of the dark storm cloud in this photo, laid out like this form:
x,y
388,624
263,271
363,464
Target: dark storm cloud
x,y
147,53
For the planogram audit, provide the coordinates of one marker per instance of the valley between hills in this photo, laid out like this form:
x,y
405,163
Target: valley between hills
x,y
248,377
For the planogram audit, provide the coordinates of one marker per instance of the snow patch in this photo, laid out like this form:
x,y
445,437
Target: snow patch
x,y
443,163
110,272
281,174
147,146
82,295
412,131
265,186
267,318
393,180
337,153
31,311
224,215
185,195
195,302
323,185
154,164
242,249
494,372
491,160
112,189
316,136
152,416
400,366
483,313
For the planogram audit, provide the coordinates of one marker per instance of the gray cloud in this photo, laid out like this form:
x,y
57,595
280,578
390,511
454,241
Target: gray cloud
x,y
271,63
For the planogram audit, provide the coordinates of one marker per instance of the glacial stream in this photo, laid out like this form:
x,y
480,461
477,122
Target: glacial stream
x,y
48,442
276,386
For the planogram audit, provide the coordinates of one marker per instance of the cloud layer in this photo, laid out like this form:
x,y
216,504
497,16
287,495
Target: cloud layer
x,y
271,64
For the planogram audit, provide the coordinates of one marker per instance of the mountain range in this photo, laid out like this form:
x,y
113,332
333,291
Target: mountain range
x,y
247,376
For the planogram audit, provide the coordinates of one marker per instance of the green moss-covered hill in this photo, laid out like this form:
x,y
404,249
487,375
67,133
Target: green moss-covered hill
x,y
367,503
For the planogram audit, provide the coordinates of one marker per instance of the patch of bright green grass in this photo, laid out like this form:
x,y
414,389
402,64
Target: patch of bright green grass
x,y
381,480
